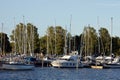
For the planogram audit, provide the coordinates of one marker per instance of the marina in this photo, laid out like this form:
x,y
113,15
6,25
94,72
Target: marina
x,y
67,68
59,40
72,60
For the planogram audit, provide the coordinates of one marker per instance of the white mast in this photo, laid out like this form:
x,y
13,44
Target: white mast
x,y
14,36
100,40
55,36
88,42
32,41
85,38
2,39
47,42
24,39
111,35
70,36
65,48
19,39
98,35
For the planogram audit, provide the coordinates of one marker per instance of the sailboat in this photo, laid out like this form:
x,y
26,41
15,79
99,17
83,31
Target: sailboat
x,y
17,63
98,64
45,61
12,65
112,62
109,61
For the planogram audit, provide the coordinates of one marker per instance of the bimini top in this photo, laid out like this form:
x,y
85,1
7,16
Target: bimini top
x,y
70,57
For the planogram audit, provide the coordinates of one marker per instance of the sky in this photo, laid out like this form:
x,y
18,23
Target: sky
x,y
44,13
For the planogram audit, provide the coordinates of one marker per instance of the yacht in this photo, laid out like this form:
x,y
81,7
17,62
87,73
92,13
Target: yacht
x,y
12,65
107,62
17,63
68,61
112,62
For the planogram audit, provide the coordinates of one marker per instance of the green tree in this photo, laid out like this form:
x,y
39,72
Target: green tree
x,y
89,40
105,40
75,43
50,40
69,42
60,40
53,42
33,38
43,44
116,45
18,37
26,39
5,46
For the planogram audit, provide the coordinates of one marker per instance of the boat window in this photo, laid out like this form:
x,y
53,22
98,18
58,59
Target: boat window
x,y
73,64
63,59
70,59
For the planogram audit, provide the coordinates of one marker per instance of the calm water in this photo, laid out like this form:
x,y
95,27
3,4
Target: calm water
x,y
61,74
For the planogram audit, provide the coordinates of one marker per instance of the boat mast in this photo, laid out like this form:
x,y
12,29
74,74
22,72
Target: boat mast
x,y
98,35
100,41
47,42
32,41
2,39
88,42
55,36
14,36
24,34
70,36
85,43
74,43
111,35
4,43
19,39
65,48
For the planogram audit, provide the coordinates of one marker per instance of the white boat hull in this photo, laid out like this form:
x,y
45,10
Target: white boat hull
x,y
66,64
17,66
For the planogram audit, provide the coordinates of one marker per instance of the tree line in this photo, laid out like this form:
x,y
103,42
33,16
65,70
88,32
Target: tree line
x,y
24,39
